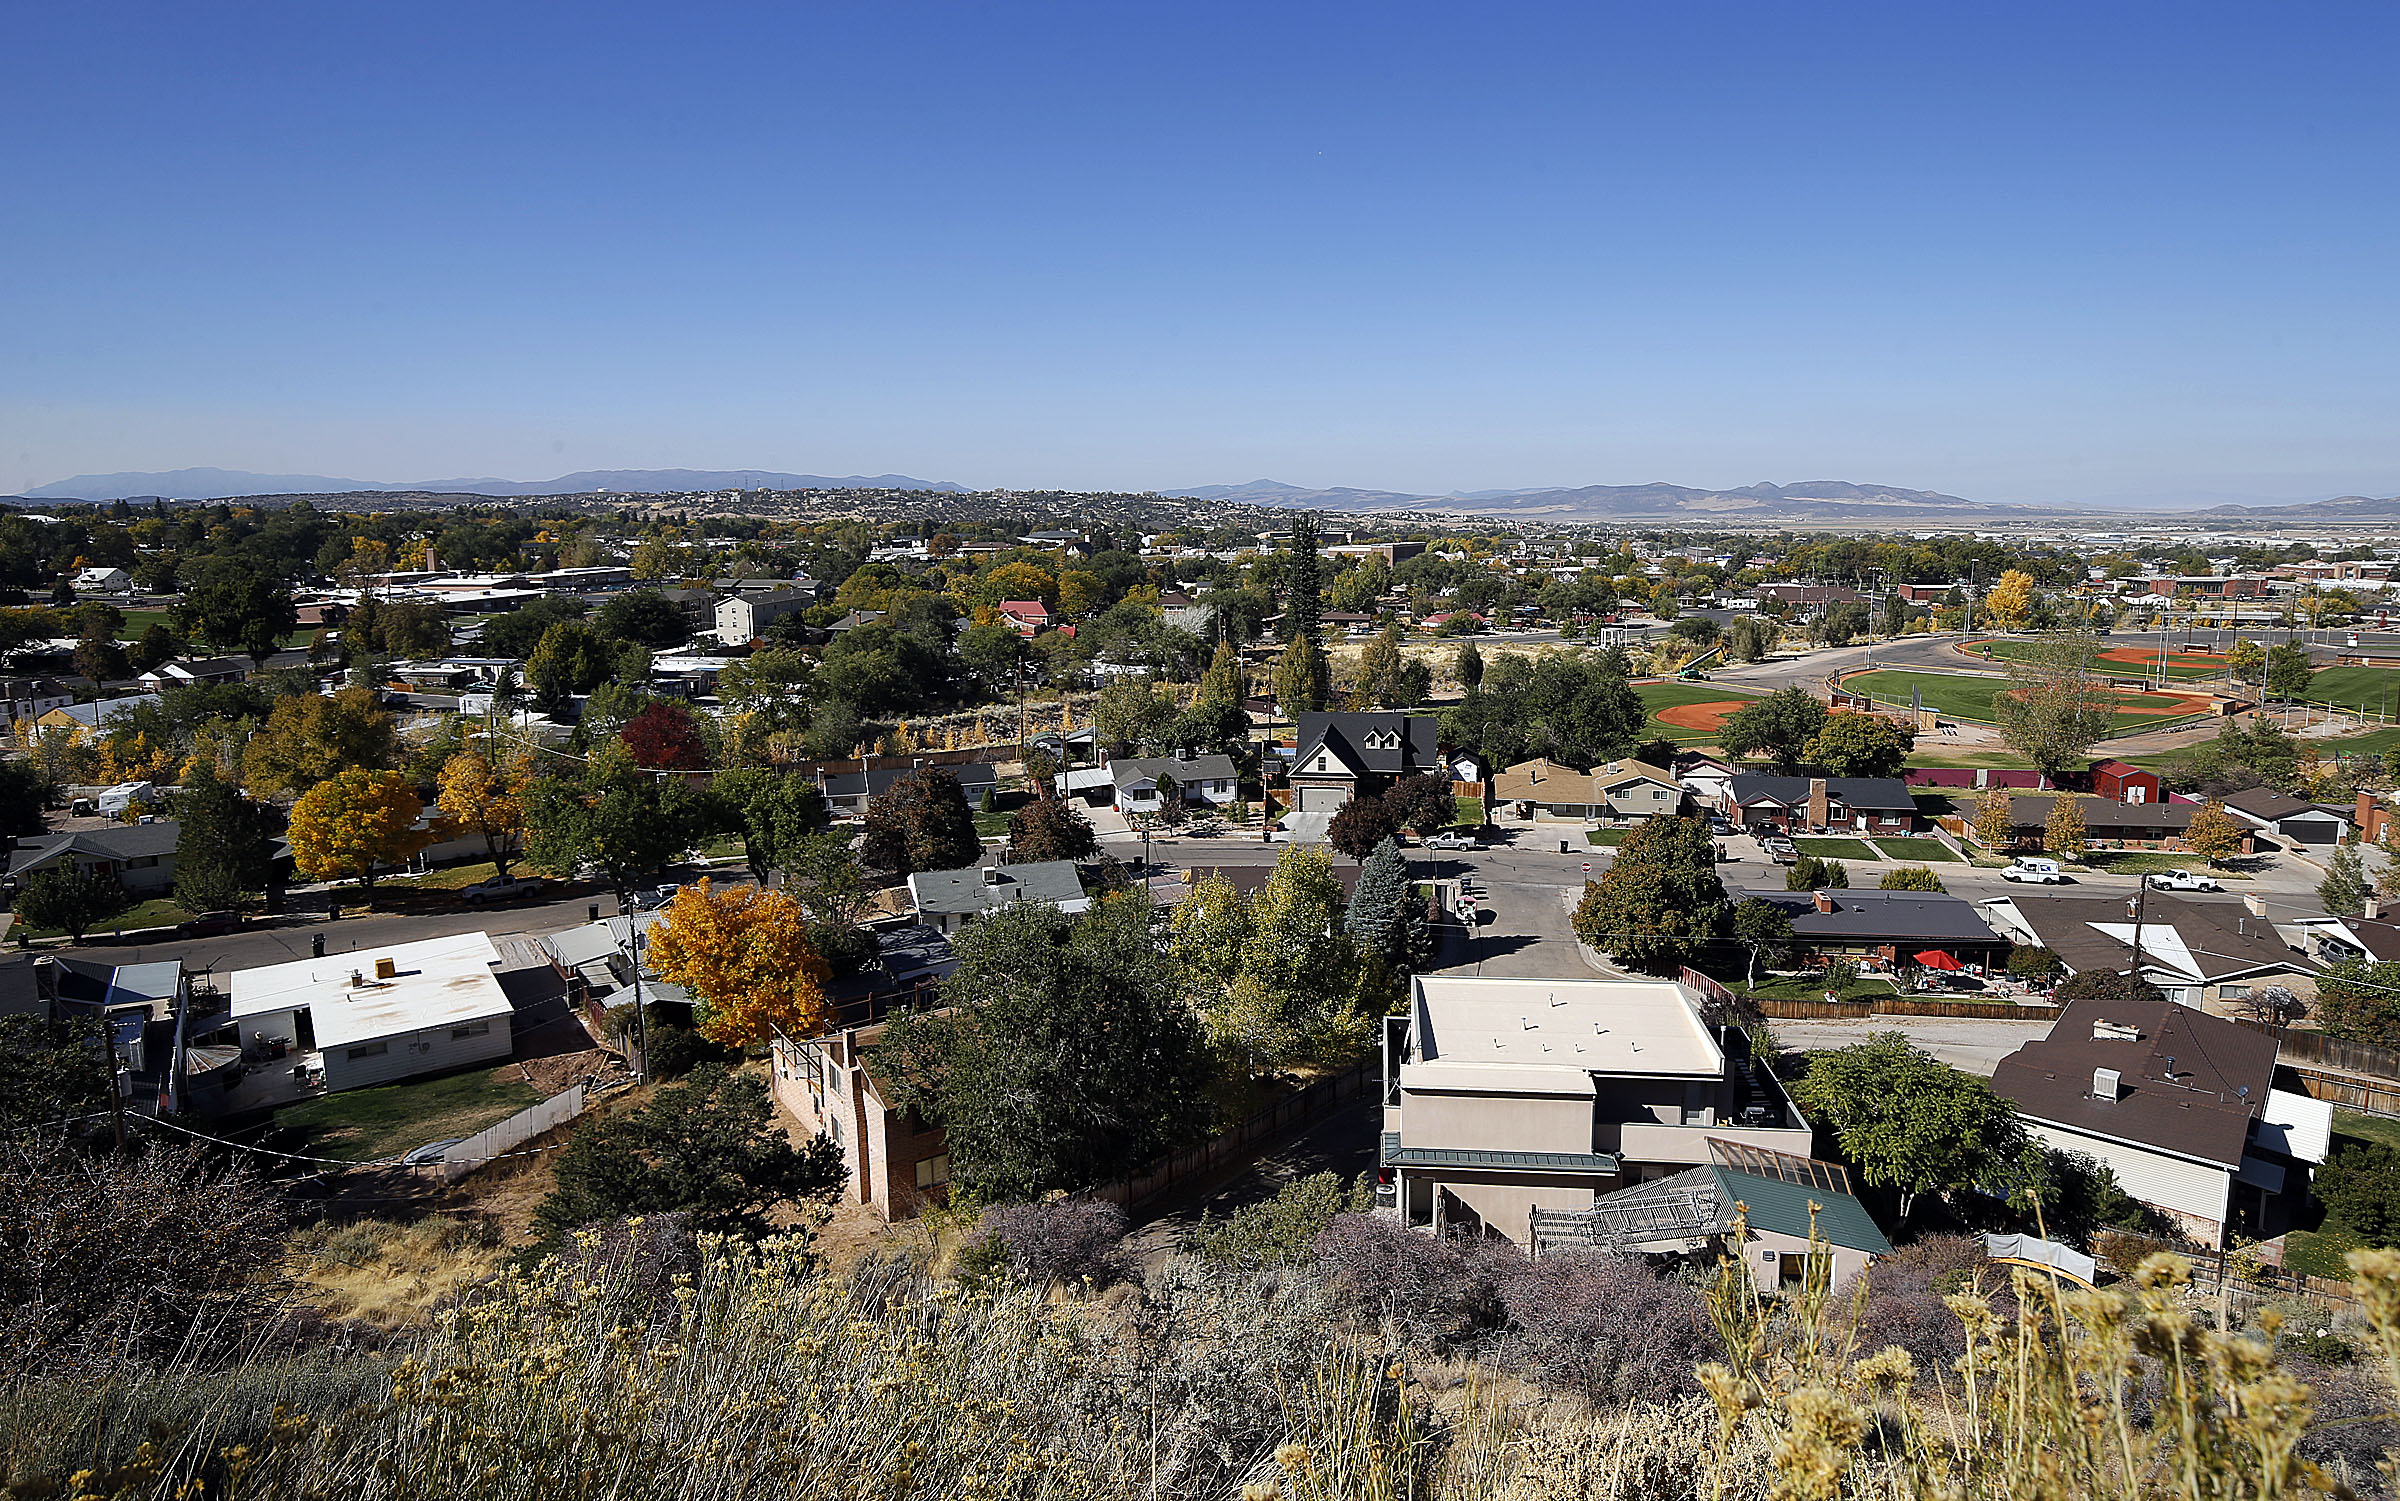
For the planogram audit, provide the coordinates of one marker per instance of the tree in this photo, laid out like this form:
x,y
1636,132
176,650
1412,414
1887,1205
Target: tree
x,y
2108,987
1303,583
921,822
309,738
1661,903
2010,602
1665,603
2344,890
1909,1121
1860,745
2358,1000
665,737
1361,824
2214,833
706,1146
1996,819
2273,1005
2246,662
1467,666
1697,629
24,792
518,633
51,1070
1382,918
1781,725
1303,681
347,827
775,813
1131,713
617,818
1808,873
1764,931
237,608
825,876
2359,1186
1423,802
483,794
745,954
1050,829
2289,670
1293,994
1749,639
222,850
571,658
644,616
1911,878
2057,706
1066,1057
2063,832
2032,963
69,898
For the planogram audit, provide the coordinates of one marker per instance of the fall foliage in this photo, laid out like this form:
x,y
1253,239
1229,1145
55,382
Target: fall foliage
x,y
345,827
483,795
745,954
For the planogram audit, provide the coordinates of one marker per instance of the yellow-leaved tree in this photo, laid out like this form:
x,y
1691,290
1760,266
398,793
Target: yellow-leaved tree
x,y
745,955
343,828
482,794
2011,599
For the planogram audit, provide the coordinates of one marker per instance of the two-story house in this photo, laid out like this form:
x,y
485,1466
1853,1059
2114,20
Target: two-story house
x,y
1340,756
1503,1096
1762,802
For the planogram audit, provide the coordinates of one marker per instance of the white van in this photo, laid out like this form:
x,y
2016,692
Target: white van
x,y
2032,868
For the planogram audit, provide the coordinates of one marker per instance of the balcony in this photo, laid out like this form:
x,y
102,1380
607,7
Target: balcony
x,y
1599,1164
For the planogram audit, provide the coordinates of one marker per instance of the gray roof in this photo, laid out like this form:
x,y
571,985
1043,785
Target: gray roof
x,y
2222,938
1901,916
2101,814
981,888
775,597
1346,735
1854,792
116,842
1130,769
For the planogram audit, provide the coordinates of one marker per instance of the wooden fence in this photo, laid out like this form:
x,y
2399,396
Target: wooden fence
x,y
1731,1003
495,1141
2327,1052
1285,1116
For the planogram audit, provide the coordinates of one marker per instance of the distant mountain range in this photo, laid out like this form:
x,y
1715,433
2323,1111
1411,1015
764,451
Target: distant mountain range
x,y
1825,500
222,484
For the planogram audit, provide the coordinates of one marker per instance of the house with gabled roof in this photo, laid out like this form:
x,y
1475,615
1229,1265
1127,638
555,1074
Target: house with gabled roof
x,y
1760,801
2209,955
141,856
1339,756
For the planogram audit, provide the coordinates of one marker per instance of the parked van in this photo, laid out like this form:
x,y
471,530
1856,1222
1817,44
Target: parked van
x,y
2038,871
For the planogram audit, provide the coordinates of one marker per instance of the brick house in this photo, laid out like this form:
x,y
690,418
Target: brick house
x,y
1029,617
1819,805
895,1160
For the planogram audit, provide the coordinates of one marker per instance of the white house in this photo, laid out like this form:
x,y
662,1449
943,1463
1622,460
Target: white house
x,y
103,580
743,618
382,1013
1204,779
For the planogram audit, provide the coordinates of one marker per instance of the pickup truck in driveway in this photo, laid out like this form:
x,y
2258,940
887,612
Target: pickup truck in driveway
x,y
2183,880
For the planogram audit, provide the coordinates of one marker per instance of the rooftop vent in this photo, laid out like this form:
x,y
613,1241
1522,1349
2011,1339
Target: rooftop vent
x,y
2108,1031
2104,1084
385,969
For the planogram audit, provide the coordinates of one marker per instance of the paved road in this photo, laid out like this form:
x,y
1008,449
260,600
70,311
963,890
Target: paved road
x,y
1974,1046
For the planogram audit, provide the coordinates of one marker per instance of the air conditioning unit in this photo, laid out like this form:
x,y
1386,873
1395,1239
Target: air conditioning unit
x,y
2104,1084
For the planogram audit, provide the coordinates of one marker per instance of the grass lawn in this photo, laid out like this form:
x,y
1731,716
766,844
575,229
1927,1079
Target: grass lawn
x,y
2365,1128
2318,1253
1968,759
1610,837
2155,862
1812,988
2372,743
992,825
723,847
1920,851
367,1125
2180,664
158,912
2356,687
448,878
1657,696
138,621
1964,697
1837,849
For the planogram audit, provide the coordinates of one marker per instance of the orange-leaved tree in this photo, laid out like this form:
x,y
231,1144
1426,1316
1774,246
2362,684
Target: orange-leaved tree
x,y
744,953
483,794
343,828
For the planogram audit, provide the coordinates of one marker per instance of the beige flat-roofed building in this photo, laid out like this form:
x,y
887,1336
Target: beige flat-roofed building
x,y
382,1013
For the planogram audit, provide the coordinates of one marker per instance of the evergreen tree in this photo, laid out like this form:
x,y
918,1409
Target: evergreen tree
x,y
2344,889
1302,679
1468,666
222,852
1304,584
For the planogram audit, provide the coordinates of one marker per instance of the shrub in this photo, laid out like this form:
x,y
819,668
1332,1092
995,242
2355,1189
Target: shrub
x,y
1283,1230
1607,1327
1438,1292
1057,1240
1905,1291
2360,1189
1911,878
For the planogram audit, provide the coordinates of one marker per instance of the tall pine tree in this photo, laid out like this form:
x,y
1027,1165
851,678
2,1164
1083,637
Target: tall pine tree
x,y
1304,582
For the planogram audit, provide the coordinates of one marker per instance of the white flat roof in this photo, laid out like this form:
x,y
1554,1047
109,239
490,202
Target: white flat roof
x,y
437,982
1499,1078
1598,1026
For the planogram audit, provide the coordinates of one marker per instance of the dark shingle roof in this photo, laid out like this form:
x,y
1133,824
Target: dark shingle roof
x,y
1347,734
2187,1082
121,842
2101,814
1910,916
2222,938
1856,792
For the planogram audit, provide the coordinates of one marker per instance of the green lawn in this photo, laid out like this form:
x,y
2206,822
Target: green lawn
x,y
2372,743
1920,851
1812,988
1610,837
2179,664
1837,849
2318,1253
1967,759
2372,688
2155,862
448,878
1963,697
158,912
1657,696
138,621
368,1125
2365,1128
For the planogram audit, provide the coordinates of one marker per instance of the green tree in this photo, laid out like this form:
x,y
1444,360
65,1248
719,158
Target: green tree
x,y
616,818
643,616
1065,1058
1130,714
571,658
1660,904
223,853
1911,878
69,898
2289,670
1467,666
2058,705
2214,833
1861,745
2358,1000
1293,996
1909,1121
1782,726
2031,963
921,822
51,1070
2246,661
237,608
1304,585
2345,889
1748,639
2108,987
1050,829
24,793
1303,681
1764,932
775,812
706,1146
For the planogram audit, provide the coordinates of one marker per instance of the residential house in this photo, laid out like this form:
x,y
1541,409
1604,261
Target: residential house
x,y
190,673
2107,825
1338,756
1620,790
1185,613
849,792
31,698
1892,927
744,618
2334,939
699,606
102,579
1788,1206
2205,954
2372,817
947,899
1704,778
1504,1096
384,1012
1208,780
893,1158
2183,1109
2294,819
137,1002
79,720
1027,617
1809,594
1762,802
2123,782
140,855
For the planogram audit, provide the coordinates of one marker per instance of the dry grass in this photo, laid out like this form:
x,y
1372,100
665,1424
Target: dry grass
x,y
393,1274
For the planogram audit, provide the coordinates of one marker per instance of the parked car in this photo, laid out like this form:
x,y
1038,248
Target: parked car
x,y
1780,850
2183,880
2035,872
509,889
209,925
657,896
1718,823
1451,842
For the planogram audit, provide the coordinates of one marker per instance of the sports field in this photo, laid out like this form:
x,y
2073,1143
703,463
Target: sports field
x,y
1963,697
2370,688
1688,713
2120,661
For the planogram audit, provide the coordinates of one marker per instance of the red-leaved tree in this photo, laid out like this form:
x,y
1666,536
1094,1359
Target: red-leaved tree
x,y
665,737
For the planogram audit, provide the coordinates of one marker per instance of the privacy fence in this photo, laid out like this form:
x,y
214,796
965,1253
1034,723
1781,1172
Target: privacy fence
x,y
489,1143
1241,1142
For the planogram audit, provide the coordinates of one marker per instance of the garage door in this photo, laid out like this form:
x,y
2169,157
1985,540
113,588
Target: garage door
x,y
2312,831
1323,799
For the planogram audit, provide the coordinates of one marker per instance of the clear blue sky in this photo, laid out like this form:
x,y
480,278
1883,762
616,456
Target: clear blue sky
x,y
2014,252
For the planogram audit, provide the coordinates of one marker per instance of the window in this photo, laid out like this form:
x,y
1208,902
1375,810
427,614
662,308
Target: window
x,y
933,1172
366,1050
141,862
2234,992
471,1029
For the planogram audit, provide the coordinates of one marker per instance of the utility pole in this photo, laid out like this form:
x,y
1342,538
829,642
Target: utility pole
x,y
629,908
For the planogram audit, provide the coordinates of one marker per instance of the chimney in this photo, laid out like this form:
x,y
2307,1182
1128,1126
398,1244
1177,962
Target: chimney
x,y
2258,904
1818,803
2104,1030
2374,909
2104,1084
1825,902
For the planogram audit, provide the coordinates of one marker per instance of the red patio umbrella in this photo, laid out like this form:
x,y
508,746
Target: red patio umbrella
x,y
1937,959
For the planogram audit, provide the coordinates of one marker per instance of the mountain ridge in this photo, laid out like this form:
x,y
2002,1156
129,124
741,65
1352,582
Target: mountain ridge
x,y
226,484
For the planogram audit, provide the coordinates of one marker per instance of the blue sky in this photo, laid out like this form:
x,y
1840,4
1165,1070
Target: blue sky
x,y
2014,252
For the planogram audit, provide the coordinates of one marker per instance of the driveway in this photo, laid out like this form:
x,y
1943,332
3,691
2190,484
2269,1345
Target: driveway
x,y
1973,1046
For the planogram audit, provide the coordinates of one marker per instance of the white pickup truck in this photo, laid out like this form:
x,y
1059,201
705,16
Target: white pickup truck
x,y
2038,872
2183,880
